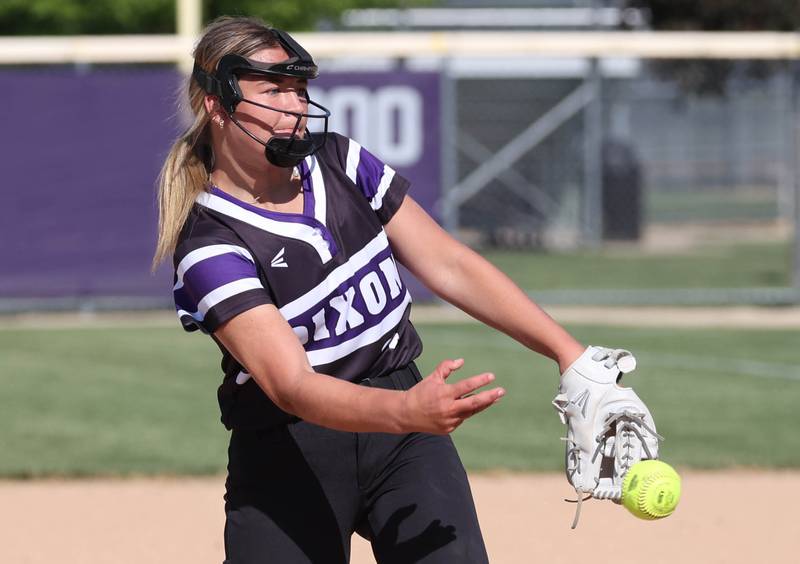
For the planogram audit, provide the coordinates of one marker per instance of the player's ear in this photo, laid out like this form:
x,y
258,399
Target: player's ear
x,y
212,105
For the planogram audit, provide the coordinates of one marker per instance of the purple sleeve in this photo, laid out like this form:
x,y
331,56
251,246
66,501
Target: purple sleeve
x,y
380,184
214,282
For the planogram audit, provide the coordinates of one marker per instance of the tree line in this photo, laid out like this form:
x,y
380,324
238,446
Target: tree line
x,y
100,17
78,17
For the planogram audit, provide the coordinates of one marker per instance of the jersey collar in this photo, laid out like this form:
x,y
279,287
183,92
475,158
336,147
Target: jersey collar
x,y
308,226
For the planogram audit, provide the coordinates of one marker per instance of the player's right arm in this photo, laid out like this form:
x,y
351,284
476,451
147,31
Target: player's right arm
x,y
262,341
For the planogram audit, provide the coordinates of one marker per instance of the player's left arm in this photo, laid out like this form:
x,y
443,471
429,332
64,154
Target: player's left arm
x,y
462,277
589,400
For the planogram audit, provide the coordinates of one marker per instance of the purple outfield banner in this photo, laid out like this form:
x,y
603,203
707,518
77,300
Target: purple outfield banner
x,y
82,150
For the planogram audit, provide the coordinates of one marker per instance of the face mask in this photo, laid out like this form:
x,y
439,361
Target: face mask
x,y
280,150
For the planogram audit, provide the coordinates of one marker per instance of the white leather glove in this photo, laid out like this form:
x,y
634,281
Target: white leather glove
x,y
609,429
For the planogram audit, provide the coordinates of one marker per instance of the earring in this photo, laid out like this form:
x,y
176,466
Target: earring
x,y
220,123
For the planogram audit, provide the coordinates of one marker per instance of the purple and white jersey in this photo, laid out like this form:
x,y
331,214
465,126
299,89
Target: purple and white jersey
x,y
329,271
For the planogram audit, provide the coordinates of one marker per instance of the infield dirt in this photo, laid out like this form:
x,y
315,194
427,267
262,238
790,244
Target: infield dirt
x,y
725,517
731,317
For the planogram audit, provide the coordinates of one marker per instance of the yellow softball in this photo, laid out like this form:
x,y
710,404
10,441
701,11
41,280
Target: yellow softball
x,y
651,489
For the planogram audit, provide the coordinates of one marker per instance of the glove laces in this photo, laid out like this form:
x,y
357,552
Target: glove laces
x,y
629,425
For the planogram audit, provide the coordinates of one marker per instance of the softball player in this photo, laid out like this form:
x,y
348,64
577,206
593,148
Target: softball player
x,y
285,249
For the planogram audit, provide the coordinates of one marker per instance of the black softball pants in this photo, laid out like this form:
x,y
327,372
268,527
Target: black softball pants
x,y
296,493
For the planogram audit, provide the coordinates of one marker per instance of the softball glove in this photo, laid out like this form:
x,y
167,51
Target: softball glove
x,y
609,429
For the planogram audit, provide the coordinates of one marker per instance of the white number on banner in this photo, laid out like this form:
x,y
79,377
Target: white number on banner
x,y
386,121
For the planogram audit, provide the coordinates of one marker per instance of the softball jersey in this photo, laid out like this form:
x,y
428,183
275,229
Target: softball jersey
x,y
329,270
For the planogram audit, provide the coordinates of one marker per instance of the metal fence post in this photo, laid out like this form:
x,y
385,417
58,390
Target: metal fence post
x,y
592,201
448,95
795,118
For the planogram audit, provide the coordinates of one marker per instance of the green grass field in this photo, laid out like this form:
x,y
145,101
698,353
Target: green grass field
x,y
721,204
142,401
742,265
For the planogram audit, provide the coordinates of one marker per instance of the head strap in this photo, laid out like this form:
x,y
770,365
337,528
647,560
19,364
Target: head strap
x,y
223,82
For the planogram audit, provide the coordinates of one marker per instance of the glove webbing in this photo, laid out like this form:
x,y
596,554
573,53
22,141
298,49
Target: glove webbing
x,y
626,426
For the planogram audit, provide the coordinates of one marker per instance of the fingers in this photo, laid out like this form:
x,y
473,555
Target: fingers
x,y
447,367
469,385
449,405
469,406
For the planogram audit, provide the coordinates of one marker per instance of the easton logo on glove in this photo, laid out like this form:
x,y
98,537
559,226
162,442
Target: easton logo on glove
x,y
580,402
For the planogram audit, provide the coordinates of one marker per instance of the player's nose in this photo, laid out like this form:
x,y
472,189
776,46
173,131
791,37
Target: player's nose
x,y
295,102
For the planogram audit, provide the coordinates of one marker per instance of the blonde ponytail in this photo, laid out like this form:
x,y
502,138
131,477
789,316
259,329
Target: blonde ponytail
x,y
183,176
190,160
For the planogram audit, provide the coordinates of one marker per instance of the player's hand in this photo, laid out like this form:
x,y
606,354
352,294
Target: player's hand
x,y
434,406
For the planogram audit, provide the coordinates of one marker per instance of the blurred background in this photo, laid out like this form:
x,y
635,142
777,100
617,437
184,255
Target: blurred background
x,y
594,162
632,164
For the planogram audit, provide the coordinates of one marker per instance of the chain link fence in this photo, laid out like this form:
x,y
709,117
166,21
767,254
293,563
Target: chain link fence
x,y
694,162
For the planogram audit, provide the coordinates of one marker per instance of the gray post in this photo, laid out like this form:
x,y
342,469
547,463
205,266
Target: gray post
x,y
592,201
786,174
448,207
795,118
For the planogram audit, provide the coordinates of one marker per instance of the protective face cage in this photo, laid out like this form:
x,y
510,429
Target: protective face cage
x,y
280,150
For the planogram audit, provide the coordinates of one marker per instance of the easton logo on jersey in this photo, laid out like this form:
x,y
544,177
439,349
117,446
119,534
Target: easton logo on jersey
x,y
278,261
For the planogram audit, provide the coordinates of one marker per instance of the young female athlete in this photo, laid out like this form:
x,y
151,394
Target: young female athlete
x,y
285,247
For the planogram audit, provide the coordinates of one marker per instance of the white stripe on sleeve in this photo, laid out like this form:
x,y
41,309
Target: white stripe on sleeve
x,y
204,253
222,293
377,200
353,158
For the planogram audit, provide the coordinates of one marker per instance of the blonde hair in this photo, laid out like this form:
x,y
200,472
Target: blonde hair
x,y
185,172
